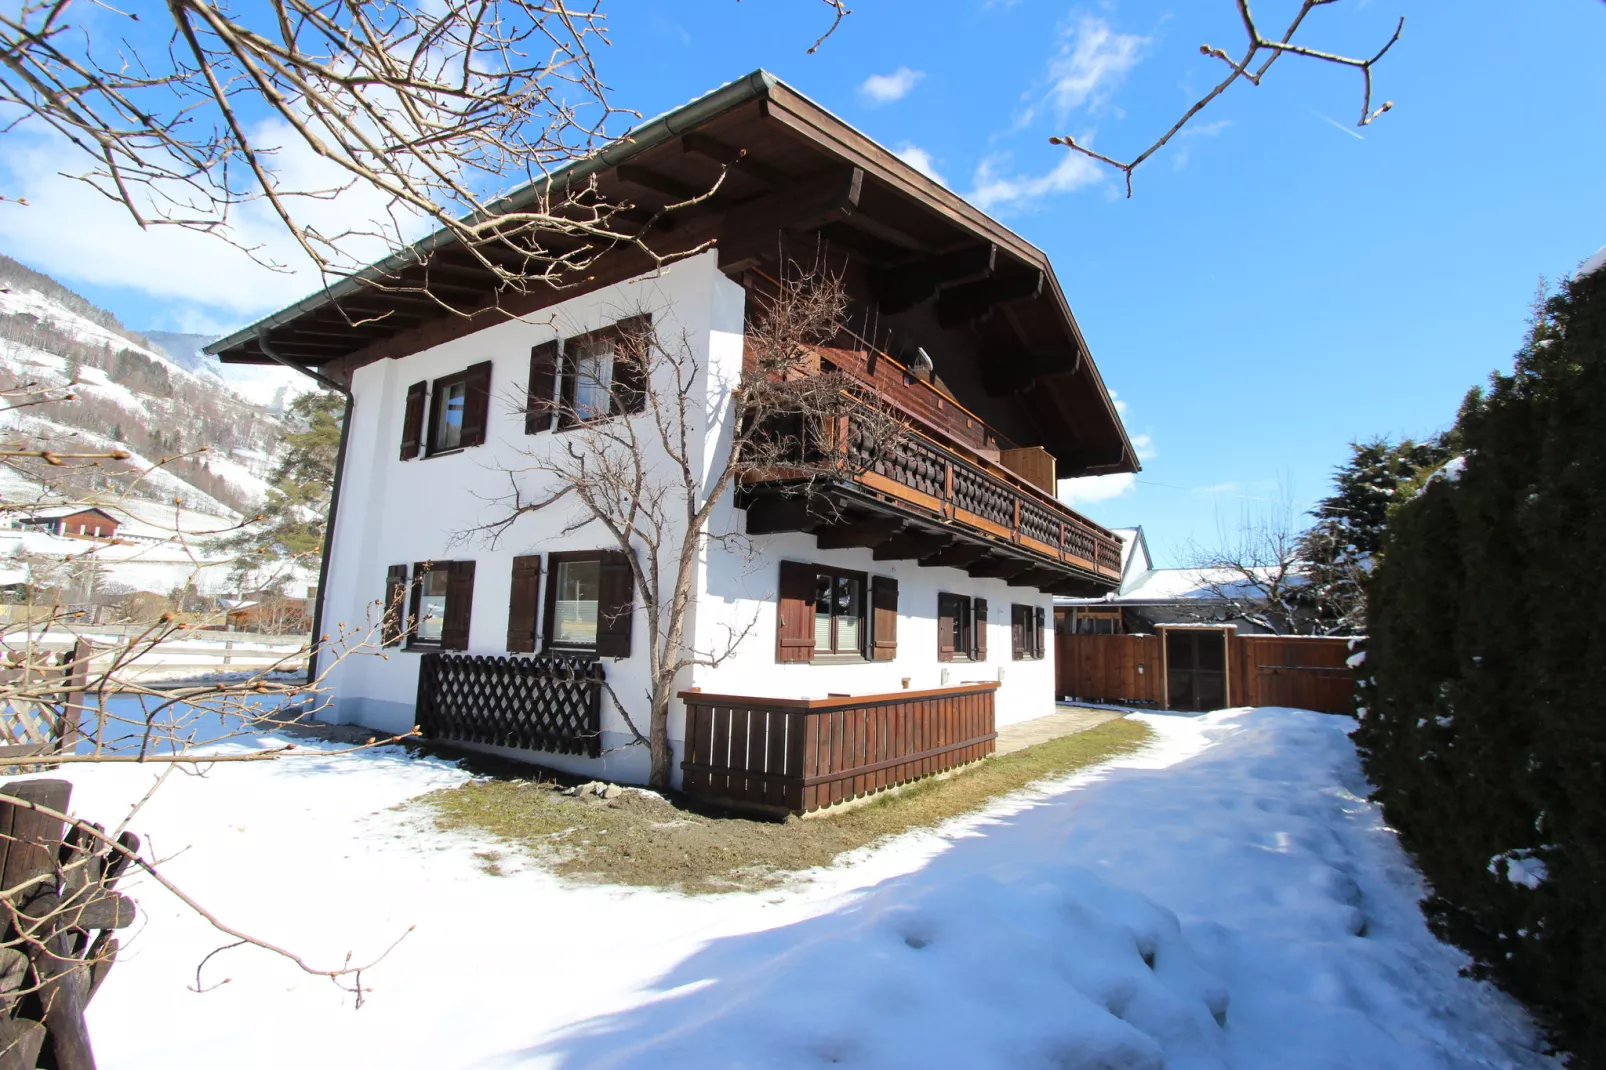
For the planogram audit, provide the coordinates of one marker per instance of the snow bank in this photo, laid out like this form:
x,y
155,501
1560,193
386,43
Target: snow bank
x,y
1225,899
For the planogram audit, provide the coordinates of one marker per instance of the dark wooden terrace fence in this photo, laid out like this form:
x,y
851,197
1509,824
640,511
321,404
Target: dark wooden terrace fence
x,y
798,755
548,703
1308,672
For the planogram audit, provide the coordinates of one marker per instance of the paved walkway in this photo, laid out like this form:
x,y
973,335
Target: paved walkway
x,y
1064,721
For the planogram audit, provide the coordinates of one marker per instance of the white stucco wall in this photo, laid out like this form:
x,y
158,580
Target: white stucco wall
x,y
399,512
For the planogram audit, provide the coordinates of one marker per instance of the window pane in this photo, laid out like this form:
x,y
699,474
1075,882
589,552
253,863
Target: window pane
x,y
432,606
847,615
574,613
823,594
593,381
449,435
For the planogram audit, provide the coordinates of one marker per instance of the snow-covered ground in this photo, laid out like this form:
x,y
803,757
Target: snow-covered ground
x,y
1232,873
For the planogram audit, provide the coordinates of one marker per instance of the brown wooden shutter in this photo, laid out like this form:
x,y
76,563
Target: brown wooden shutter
x,y
616,600
883,618
1037,632
538,404
979,647
946,626
631,363
459,604
413,421
794,622
1017,632
522,603
391,629
476,403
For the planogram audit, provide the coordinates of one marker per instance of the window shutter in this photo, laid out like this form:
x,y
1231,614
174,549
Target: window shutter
x,y
413,421
631,363
459,605
538,404
476,403
883,618
980,642
522,603
567,376
794,622
946,625
1037,631
390,630
1017,632
616,599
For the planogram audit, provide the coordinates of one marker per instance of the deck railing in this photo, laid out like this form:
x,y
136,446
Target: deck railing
x,y
923,473
798,755
547,703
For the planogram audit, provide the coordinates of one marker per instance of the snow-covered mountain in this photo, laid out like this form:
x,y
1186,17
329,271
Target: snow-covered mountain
x,y
217,427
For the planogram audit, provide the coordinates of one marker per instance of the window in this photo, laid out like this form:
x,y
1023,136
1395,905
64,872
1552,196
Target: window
x,y
457,407
438,603
593,379
835,615
1026,632
838,613
590,597
961,628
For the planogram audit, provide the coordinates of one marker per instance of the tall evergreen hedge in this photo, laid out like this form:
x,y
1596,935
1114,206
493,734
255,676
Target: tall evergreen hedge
x,y
1485,723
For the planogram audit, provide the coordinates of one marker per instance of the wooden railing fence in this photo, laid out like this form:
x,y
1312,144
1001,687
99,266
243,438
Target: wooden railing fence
x,y
798,755
546,703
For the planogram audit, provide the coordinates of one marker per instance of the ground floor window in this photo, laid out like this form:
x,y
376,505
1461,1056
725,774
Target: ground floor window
x,y
590,597
574,613
838,613
438,600
1026,632
961,628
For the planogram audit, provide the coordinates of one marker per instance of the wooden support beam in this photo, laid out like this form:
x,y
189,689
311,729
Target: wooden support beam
x,y
1073,587
857,533
736,159
963,304
994,568
774,514
751,229
636,175
956,556
910,547
907,285
1034,577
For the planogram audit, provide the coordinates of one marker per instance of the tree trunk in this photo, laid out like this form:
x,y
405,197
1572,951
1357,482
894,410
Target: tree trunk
x,y
658,774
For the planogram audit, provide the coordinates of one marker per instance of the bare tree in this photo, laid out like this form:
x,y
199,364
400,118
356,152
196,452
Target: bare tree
x,y
640,474
428,113
1258,48
1254,572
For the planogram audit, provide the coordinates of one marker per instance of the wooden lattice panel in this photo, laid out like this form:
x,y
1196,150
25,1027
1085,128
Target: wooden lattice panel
x,y
548,703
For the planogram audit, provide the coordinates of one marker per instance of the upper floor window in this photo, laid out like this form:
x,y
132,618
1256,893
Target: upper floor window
x,y
589,376
457,407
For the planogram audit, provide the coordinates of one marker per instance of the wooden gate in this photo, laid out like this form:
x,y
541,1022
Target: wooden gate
x,y
1109,668
1307,672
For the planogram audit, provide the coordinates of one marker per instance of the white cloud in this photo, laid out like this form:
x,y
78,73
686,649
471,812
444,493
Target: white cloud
x,y
995,190
919,159
1143,446
886,88
1092,61
1090,489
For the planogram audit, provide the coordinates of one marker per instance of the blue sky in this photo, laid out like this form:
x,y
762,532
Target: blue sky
x,y
1281,284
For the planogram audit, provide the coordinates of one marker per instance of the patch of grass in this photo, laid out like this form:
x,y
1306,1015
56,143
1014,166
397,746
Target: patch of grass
x,y
647,841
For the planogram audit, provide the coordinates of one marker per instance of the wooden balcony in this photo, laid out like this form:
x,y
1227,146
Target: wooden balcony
x,y
931,498
797,755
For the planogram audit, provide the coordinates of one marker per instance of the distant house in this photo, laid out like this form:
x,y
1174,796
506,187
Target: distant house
x,y
74,522
1148,597
273,614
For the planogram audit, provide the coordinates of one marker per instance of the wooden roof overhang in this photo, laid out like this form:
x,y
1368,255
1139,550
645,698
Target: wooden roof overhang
x,y
929,264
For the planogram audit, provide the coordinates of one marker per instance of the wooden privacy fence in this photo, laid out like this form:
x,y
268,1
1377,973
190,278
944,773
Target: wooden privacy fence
x,y
798,755
549,703
1308,672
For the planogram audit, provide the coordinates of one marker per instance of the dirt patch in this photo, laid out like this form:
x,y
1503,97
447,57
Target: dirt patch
x,y
643,839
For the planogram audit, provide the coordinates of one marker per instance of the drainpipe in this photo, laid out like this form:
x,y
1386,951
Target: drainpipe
x,y
334,489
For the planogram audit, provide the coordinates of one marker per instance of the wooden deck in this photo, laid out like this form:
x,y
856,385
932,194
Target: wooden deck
x,y
798,755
